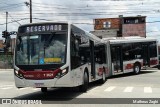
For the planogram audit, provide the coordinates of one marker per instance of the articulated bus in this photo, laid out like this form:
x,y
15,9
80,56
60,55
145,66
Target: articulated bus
x,y
58,55
130,54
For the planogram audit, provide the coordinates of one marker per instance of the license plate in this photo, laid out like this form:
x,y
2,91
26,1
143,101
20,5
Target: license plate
x,y
39,84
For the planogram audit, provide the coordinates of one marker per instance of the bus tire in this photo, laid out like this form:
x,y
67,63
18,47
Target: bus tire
x,y
44,89
158,66
103,80
136,68
84,86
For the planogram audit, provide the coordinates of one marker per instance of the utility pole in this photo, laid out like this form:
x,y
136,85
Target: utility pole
x,y
29,4
6,20
6,40
30,11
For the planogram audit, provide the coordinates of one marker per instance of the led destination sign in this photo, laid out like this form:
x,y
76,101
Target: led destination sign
x,y
42,28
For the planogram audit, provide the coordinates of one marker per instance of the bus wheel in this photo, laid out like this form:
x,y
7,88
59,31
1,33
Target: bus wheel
x,y
136,68
44,89
103,80
84,86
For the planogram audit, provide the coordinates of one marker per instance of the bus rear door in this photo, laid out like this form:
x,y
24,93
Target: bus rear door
x,y
146,58
117,61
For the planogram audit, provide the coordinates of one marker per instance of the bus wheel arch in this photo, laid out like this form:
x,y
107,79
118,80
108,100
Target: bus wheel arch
x,y
136,67
84,86
86,70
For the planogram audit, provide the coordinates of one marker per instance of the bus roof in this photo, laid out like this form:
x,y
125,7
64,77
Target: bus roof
x,y
83,32
128,40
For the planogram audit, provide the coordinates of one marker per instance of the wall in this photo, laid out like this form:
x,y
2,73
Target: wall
x,y
1,44
105,33
115,23
134,30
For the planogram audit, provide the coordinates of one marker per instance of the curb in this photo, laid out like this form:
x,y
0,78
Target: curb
x,y
6,69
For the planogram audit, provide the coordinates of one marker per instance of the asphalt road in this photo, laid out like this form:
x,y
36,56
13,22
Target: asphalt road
x,y
144,85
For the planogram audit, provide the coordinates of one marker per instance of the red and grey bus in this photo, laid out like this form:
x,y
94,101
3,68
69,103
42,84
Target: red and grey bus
x,y
58,55
130,54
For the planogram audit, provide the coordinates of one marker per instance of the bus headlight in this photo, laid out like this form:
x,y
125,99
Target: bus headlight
x,y
18,74
16,71
62,73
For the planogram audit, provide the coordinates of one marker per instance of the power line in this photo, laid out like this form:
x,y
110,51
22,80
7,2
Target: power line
x,y
88,6
52,20
14,19
47,4
87,13
8,5
82,8
152,31
11,7
79,8
77,14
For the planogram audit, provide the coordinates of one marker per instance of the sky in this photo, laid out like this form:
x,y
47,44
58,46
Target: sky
x,y
79,12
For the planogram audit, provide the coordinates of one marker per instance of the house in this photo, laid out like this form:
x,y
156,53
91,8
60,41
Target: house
x,y
120,27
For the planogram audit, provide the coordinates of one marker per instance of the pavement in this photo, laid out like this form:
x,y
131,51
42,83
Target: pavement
x,y
127,86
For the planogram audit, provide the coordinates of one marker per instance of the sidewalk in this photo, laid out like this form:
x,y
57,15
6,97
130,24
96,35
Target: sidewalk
x,y
6,70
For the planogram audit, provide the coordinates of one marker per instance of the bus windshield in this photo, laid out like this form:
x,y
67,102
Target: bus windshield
x,y
40,49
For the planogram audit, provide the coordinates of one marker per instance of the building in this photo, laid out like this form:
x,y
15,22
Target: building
x,y
134,26
120,27
11,48
106,27
1,45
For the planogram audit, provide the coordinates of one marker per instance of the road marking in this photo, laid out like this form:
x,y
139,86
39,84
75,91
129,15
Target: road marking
x,y
4,71
35,89
22,88
128,89
1,86
6,88
147,90
110,88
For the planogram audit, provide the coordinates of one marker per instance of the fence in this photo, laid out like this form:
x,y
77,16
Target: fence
x,y
6,60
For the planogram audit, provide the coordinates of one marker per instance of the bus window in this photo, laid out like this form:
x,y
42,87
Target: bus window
x,y
132,51
85,55
100,56
21,51
75,58
137,50
34,49
153,50
127,53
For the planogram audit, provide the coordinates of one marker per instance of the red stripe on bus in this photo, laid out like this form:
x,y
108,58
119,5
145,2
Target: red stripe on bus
x,y
100,71
39,74
153,62
129,66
